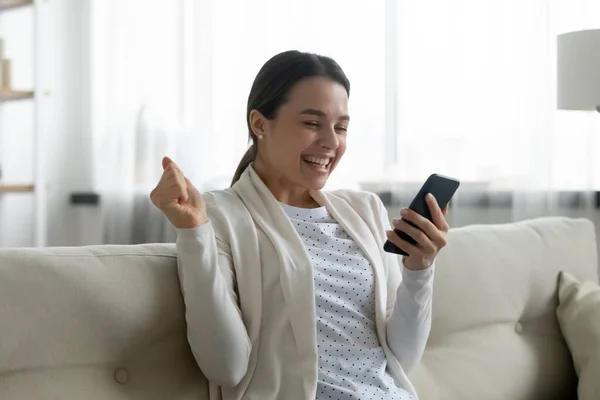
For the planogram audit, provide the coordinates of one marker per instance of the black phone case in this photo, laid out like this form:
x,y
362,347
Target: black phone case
x,y
442,188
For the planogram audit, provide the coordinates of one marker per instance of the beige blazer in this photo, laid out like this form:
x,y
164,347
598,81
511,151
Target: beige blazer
x,y
247,282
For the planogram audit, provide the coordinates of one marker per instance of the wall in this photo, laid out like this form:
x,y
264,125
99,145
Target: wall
x,y
67,142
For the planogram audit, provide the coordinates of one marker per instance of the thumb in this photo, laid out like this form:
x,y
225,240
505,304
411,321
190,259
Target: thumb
x,y
192,192
166,161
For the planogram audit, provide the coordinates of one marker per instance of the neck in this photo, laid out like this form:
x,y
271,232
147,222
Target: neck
x,y
283,190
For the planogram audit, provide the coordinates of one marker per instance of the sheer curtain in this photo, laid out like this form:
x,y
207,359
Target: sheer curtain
x,y
476,100
464,88
136,97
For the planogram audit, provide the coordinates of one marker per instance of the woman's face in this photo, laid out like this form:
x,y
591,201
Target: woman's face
x,y
304,143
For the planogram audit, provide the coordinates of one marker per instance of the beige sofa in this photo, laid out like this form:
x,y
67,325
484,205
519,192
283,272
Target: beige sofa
x,y
107,322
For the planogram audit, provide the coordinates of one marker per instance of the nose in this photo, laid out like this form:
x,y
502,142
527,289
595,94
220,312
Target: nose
x,y
329,138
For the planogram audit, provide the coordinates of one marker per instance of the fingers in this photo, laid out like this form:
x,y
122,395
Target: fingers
x,y
424,243
435,234
189,184
445,210
437,215
191,189
172,189
409,248
166,161
430,236
421,222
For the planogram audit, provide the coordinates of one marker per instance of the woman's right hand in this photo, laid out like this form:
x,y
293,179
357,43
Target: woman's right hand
x,y
178,199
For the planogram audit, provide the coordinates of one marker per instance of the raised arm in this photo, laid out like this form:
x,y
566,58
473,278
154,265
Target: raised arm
x,y
216,332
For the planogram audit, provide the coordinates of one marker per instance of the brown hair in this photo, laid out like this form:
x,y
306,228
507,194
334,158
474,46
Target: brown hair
x,y
247,159
273,83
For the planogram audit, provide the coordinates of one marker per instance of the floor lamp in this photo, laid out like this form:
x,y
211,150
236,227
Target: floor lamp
x,y
578,73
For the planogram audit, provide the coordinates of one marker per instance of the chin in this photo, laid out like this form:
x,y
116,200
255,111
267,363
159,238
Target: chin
x,y
316,184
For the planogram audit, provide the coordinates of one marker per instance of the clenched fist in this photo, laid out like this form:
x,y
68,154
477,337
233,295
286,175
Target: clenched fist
x,y
178,199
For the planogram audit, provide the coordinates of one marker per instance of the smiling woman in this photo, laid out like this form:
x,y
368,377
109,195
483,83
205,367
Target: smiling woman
x,y
275,251
297,121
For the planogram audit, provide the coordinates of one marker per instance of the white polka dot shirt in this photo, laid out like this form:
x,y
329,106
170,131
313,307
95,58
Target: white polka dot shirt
x,y
352,363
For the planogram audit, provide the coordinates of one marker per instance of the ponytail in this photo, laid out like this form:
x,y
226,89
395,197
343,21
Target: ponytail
x,y
247,159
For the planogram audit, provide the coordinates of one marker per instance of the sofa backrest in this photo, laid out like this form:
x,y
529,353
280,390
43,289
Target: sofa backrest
x,y
107,322
100,322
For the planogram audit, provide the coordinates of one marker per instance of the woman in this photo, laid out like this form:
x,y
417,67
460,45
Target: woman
x,y
288,292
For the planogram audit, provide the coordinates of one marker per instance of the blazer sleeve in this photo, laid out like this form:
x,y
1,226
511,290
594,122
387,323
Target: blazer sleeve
x,y
217,335
409,304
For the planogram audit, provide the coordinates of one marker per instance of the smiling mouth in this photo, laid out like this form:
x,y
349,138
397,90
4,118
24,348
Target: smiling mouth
x,y
323,162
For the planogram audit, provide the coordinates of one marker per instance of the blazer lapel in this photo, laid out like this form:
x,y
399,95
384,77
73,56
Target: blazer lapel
x,y
296,274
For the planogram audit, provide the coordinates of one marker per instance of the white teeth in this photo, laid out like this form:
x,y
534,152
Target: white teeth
x,y
317,160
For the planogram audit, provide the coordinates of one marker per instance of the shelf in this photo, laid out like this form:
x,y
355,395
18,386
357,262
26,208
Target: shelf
x,y
10,4
11,95
16,188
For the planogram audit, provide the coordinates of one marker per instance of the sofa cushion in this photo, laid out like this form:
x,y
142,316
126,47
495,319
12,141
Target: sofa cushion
x,y
495,334
579,317
101,322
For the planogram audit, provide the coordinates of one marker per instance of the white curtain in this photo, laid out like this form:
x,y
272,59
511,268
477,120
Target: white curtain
x,y
476,99
464,88
136,89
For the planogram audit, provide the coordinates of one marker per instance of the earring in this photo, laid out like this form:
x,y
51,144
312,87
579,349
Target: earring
x,y
260,137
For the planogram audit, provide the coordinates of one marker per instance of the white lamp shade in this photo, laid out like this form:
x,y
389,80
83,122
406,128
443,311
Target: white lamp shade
x,y
578,70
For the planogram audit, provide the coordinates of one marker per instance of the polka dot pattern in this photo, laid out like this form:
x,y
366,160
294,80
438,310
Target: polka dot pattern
x,y
352,364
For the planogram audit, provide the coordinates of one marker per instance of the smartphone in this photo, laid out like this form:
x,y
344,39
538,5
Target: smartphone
x,y
442,188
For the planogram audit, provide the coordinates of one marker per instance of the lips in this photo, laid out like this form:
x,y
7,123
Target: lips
x,y
318,160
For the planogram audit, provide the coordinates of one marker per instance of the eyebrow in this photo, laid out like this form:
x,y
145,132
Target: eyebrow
x,y
318,113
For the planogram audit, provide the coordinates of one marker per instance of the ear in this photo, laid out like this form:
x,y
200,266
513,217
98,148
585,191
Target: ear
x,y
258,123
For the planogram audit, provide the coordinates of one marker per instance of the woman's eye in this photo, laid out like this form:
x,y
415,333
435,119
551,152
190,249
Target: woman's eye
x,y
311,123
341,128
